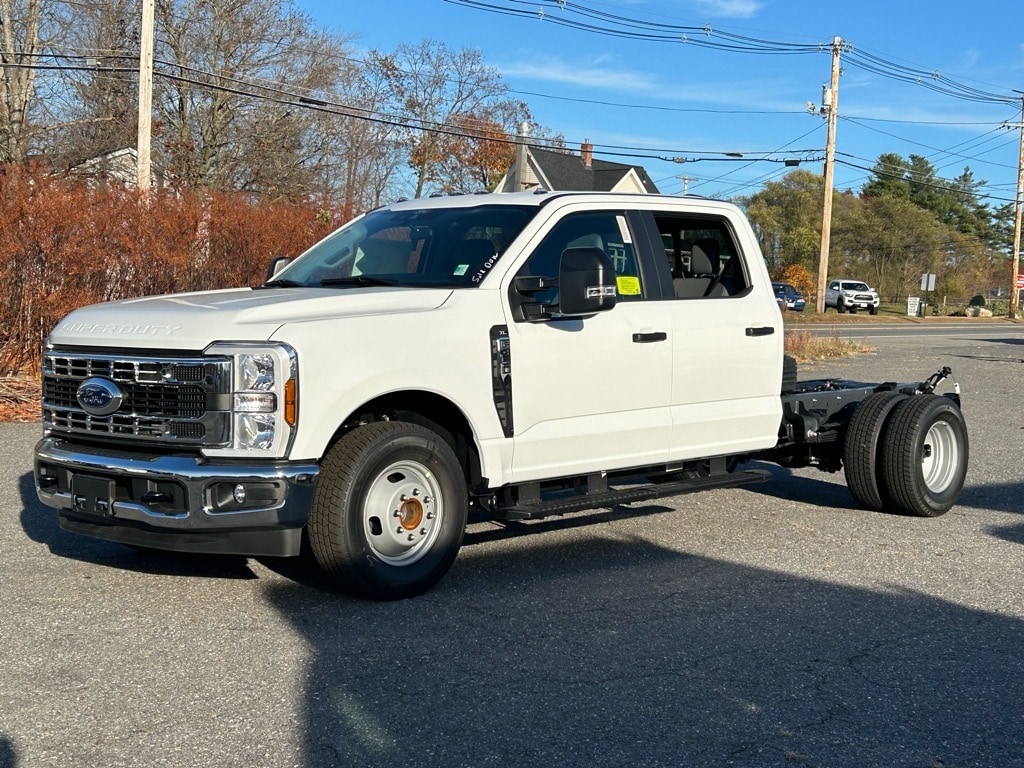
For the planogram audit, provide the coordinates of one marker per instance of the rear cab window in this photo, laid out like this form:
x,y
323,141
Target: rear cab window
x,y
701,255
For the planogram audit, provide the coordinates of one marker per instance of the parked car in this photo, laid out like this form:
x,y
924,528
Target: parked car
x,y
851,295
789,296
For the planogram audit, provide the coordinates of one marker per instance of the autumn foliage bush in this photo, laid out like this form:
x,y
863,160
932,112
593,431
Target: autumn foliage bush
x,y
65,243
800,278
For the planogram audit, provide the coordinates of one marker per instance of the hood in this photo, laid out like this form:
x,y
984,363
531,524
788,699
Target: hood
x,y
193,320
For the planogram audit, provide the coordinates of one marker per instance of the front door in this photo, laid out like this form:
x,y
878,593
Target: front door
x,y
591,394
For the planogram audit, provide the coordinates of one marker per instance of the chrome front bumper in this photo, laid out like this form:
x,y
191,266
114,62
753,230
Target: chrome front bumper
x,y
180,503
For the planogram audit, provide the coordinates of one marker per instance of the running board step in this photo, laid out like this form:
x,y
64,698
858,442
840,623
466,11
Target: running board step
x,y
612,498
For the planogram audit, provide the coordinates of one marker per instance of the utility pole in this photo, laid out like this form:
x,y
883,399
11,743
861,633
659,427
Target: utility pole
x,y
830,107
686,183
143,161
1014,290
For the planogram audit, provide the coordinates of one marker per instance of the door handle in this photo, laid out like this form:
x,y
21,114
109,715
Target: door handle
x,y
647,338
765,330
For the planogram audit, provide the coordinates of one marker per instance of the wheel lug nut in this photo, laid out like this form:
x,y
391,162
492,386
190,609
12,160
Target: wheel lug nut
x,y
416,492
411,537
423,531
399,529
403,497
430,515
396,513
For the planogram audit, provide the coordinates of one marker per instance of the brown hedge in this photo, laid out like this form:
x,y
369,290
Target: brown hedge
x,y
65,243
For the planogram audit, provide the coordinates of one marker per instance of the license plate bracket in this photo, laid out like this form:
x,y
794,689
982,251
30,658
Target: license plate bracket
x,y
94,495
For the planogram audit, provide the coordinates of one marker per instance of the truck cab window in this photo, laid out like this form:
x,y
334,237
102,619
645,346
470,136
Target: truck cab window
x,y
606,230
702,257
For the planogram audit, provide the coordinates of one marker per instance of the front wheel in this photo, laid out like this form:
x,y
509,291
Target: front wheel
x,y
840,307
924,455
873,310
389,511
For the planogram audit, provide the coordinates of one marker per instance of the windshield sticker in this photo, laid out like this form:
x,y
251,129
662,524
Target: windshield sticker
x,y
623,229
461,269
628,286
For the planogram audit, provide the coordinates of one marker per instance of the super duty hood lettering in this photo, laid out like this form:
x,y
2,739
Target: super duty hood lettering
x,y
119,329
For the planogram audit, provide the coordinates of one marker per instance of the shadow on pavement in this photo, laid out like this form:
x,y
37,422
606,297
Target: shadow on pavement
x,y
8,755
40,524
610,653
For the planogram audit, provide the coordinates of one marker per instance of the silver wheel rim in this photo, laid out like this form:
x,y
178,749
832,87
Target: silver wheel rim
x,y
941,457
403,512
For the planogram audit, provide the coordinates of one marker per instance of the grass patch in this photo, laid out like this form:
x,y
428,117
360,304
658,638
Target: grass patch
x,y
807,347
19,397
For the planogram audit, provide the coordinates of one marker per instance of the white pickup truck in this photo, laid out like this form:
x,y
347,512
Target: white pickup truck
x,y
851,295
503,356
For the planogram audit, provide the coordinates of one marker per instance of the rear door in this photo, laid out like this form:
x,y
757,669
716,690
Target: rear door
x,y
726,338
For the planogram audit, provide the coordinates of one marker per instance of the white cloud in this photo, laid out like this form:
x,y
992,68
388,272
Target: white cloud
x,y
734,9
592,76
599,72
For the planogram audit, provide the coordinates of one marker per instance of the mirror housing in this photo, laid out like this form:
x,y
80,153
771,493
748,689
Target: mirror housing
x,y
586,282
276,265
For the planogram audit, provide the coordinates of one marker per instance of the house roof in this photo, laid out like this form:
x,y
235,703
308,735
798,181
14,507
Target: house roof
x,y
558,171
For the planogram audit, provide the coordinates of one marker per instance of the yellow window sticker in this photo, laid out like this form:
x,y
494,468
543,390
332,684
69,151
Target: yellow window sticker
x,y
628,285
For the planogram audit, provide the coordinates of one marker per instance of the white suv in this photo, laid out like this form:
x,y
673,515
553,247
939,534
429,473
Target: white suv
x,y
851,295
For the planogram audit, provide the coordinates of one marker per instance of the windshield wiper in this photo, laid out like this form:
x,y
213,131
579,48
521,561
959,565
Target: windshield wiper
x,y
283,283
359,280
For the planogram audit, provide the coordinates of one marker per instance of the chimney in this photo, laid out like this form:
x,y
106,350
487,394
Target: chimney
x,y
587,152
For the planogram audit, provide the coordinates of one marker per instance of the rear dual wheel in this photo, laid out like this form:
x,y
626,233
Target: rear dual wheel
x,y
924,455
861,449
906,454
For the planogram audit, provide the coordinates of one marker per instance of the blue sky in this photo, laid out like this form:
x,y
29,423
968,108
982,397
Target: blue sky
x,y
674,99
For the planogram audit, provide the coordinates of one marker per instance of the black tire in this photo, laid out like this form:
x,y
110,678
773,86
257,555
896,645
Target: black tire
x,y
861,457
924,455
840,307
873,310
389,511
789,373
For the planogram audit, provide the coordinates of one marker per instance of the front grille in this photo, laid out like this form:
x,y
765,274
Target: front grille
x,y
180,400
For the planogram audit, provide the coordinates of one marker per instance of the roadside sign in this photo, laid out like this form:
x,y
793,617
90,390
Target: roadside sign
x,y
913,306
1020,281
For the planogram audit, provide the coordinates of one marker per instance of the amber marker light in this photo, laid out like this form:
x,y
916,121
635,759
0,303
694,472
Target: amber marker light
x,y
290,410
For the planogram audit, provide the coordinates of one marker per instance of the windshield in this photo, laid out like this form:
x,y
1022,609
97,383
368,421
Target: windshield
x,y
437,247
855,287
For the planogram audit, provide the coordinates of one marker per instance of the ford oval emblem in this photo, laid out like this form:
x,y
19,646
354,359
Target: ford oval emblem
x,y
99,397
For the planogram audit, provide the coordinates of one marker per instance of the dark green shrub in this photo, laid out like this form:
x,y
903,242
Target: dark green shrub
x,y
977,301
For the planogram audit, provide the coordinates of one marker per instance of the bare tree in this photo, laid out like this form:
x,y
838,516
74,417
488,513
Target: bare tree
x,y
229,102
97,110
436,87
366,148
21,40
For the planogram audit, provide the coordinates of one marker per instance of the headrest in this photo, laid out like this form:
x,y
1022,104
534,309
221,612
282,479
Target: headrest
x,y
705,257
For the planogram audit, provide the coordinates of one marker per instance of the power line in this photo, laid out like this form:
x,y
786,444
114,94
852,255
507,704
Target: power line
x,y
281,93
582,18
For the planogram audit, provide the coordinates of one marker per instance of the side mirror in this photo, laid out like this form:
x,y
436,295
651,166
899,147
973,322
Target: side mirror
x,y
586,282
276,265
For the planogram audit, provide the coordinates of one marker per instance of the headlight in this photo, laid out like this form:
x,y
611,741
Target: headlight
x,y
264,410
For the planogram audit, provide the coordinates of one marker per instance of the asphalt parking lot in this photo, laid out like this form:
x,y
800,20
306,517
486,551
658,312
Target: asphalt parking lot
x,y
771,625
